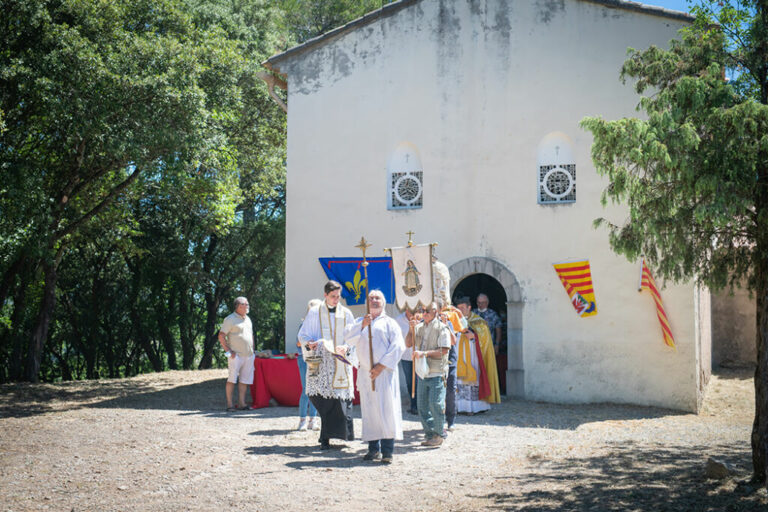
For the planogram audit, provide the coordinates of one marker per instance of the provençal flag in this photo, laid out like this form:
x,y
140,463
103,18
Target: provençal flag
x,y
349,272
576,277
647,283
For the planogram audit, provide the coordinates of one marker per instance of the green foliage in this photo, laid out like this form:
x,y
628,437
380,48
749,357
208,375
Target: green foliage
x,y
689,170
694,171
305,19
142,179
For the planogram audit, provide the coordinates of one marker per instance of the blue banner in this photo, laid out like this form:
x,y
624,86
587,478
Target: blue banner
x,y
349,272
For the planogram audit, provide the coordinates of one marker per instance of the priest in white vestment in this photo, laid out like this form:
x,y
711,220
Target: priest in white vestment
x,y
380,409
331,388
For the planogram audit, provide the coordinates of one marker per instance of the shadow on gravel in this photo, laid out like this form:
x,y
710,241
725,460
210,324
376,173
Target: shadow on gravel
x,y
632,478
23,399
306,457
522,414
205,397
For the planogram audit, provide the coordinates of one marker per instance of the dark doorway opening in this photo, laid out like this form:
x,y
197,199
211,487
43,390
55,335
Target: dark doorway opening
x,y
472,286
475,284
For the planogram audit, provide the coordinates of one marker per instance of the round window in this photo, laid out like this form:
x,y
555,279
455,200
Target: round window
x,y
407,189
558,182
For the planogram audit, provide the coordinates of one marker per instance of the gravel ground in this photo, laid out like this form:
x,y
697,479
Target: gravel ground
x,y
162,442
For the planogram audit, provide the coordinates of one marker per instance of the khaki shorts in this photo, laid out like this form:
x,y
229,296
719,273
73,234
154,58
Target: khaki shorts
x,y
241,369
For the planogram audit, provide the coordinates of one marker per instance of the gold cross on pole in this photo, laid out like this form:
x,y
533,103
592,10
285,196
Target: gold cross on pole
x,y
410,235
363,245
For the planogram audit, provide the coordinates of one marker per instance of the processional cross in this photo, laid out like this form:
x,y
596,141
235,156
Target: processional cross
x,y
363,245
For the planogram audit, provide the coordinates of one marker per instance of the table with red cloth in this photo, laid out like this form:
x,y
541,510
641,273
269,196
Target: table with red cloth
x,y
278,377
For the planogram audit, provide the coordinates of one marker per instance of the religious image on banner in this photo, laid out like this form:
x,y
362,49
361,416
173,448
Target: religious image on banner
x,y
412,269
349,272
576,277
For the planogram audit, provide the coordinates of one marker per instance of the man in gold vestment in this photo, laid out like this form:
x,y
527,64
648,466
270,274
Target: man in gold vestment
x,y
486,347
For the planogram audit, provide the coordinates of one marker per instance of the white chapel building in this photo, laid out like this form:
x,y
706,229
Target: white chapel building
x,y
459,120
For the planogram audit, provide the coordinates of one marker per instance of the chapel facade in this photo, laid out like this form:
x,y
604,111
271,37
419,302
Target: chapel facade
x,y
459,120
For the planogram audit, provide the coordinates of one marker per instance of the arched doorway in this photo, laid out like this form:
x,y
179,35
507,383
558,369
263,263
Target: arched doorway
x,y
474,275
472,286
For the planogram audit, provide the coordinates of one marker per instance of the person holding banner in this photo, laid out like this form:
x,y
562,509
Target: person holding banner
x,y
406,362
330,388
431,339
380,408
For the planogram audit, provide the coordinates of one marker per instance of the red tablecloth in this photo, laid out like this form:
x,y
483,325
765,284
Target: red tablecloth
x,y
275,378
279,378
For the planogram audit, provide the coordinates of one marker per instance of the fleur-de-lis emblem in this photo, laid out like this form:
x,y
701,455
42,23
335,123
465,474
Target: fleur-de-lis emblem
x,y
357,286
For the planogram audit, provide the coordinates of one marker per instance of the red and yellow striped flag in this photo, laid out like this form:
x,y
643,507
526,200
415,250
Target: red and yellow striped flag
x,y
647,282
576,277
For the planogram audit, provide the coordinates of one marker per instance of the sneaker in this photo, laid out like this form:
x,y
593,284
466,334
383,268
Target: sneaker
x,y
426,442
387,459
373,456
302,424
435,441
450,428
314,424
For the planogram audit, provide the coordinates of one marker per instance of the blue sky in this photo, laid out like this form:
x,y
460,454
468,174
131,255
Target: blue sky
x,y
675,5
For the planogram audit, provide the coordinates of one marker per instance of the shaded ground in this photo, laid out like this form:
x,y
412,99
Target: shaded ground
x,y
163,442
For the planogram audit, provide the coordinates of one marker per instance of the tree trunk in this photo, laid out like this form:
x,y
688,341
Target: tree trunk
x,y
139,332
212,302
66,371
42,322
760,426
165,331
15,336
145,343
109,351
211,336
185,331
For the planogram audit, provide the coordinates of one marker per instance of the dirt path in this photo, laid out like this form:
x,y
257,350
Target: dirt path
x,y
162,442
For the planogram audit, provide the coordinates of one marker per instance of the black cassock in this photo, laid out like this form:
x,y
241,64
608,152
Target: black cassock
x,y
336,418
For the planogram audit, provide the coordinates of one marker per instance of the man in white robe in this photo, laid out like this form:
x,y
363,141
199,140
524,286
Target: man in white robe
x,y
331,388
380,409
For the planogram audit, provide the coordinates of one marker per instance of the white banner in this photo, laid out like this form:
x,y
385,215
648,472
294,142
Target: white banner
x,y
412,267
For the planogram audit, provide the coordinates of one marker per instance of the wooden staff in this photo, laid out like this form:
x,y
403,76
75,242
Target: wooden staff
x,y
413,360
363,245
413,335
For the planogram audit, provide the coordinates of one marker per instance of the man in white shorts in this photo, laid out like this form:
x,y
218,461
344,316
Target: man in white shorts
x,y
236,338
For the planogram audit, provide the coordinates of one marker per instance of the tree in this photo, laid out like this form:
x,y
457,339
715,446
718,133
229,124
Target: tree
x,y
305,19
107,99
694,172
97,93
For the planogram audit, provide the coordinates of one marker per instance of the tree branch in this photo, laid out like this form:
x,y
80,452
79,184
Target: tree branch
x,y
99,207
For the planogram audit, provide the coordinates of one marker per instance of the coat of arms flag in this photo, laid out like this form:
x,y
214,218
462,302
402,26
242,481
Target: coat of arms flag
x,y
349,272
412,269
576,277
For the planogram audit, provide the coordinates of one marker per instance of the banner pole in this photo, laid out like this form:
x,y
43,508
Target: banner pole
x,y
363,245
